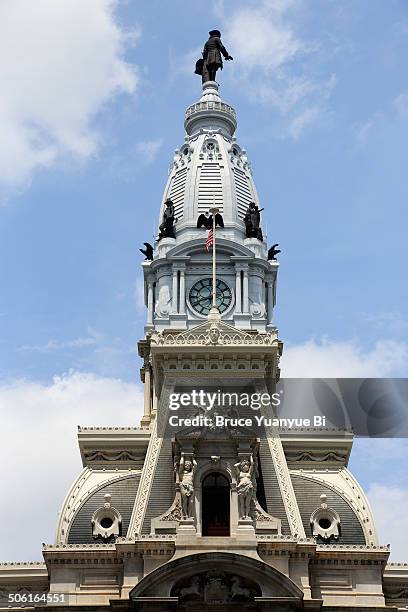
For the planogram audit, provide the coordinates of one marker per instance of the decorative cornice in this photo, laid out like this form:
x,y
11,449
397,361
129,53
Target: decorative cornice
x,y
316,455
32,575
121,455
57,547
283,539
149,536
366,554
214,333
23,564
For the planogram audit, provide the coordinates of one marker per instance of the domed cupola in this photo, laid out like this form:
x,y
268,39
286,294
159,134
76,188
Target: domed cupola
x,y
210,168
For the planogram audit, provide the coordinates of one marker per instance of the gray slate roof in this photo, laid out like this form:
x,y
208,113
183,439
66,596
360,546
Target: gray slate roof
x,y
123,494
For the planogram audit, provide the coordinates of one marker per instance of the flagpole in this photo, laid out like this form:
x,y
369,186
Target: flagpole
x,y
214,211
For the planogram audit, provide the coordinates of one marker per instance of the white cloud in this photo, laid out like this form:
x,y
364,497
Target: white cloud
x,y
60,62
94,337
56,345
271,64
149,149
267,41
329,359
389,506
125,165
362,131
301,121
390,321
401,105
39,453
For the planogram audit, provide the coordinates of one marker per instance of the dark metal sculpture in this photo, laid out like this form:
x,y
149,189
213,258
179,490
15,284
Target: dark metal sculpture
x,y
166,227
273,251
252,222
206,220
147,252
211,61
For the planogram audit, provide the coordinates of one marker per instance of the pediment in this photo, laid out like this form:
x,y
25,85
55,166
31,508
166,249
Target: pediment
x,y
213,333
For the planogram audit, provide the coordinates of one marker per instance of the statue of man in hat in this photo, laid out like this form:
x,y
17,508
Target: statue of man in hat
x,y
213,53
166,227
252,222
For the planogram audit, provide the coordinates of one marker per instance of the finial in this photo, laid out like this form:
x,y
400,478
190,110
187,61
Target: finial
x,y
107,497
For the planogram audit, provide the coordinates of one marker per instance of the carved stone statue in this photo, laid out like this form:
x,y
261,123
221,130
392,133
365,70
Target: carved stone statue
x,y
216,587
186,476
166,227
245,486
252,222
211,61
191,591
238,590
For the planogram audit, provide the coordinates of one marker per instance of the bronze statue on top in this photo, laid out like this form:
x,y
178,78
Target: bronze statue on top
x,y
211,61
252,222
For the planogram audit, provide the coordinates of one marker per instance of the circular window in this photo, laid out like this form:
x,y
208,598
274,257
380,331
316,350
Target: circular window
x,y
325,523
106,522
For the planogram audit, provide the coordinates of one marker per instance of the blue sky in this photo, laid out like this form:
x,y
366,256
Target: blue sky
x,y
89,121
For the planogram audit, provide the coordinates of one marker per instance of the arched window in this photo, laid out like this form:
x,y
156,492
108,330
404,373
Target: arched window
x,y
215,505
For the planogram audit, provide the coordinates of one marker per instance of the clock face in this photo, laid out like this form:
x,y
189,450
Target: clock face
x,y
200,296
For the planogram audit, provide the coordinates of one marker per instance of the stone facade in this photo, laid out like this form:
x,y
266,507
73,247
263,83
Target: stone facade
x,y
290,528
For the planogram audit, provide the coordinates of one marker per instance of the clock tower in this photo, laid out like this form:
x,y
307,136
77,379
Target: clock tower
x,y
210,169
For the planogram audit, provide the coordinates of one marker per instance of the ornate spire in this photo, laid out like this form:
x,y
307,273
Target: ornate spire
x,y
211,169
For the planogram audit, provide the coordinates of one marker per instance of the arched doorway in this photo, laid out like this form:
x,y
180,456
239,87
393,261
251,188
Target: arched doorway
x,y
197,581
215,505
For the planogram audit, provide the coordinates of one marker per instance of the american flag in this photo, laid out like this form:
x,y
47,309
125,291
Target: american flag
x,y
210,240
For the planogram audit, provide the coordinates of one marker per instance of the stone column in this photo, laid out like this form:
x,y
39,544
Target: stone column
x,y
270,301
150,301
245,305
238,305
147,394
154,403
174,292
182,292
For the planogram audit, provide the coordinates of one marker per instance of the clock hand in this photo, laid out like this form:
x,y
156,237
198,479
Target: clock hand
x,y
207,299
